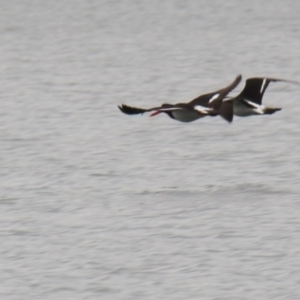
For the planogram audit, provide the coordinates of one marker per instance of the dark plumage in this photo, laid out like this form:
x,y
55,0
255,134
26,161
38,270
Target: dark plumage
x,y
249,101
204,105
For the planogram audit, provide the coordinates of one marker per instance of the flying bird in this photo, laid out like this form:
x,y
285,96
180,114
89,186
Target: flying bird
x,y
249,101
204,105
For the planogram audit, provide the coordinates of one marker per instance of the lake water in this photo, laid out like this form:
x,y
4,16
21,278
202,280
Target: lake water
x,y
99,205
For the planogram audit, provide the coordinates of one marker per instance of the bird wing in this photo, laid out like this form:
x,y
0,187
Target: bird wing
x,y
255,87
214,99
130,110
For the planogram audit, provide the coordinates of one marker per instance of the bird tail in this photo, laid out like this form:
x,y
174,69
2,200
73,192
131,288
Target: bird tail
x,y
226,110
270,111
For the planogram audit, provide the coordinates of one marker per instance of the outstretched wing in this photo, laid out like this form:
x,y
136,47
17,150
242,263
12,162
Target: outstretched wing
x,y
214,99
130,110
255,87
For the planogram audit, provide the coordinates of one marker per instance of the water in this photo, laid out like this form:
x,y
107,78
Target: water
x,y
99,205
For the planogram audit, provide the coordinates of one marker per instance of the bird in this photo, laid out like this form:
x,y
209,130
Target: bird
x,y
249,101
204,105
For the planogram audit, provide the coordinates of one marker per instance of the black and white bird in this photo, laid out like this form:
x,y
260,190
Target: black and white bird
x,y
249,101
204,105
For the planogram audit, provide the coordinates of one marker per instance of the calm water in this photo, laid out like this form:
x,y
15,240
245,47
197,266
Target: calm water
x,y
99,205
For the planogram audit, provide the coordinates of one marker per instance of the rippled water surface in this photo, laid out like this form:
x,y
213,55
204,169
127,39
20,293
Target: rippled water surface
x,y
99,205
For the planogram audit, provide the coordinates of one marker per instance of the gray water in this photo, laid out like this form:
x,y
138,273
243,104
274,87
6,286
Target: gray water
x,y
99,205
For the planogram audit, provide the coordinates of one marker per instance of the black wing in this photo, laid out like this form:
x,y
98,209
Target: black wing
x,y
129,110
214,99
255,87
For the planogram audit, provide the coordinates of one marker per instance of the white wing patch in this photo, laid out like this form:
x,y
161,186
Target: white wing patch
x,y
214,97
263,85
254,105
201,109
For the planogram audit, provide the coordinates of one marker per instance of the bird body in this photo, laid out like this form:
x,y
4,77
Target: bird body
x,y
245,108
249,101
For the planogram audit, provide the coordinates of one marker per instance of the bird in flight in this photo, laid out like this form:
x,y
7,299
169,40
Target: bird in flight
x,y
205,105
249,101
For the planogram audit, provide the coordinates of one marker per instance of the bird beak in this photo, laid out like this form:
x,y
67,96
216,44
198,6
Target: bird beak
x,y
155,113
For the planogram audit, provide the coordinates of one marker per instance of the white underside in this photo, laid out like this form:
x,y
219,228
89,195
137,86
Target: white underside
x,y
183,115
241,110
